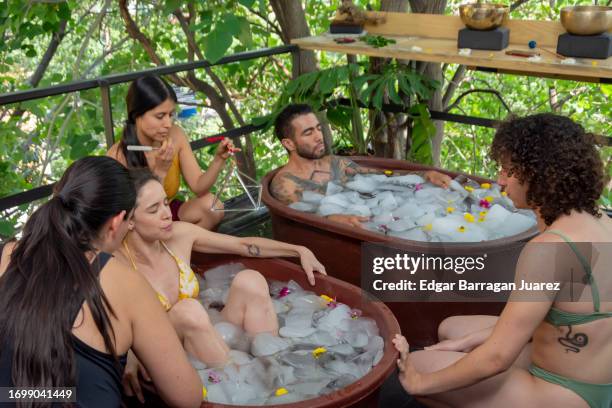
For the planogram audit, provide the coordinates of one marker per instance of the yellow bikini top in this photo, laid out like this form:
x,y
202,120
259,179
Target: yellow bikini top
x,y
188,282
172,180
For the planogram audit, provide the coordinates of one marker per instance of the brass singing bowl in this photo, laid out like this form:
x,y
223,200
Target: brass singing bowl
x,y
586,20
485,16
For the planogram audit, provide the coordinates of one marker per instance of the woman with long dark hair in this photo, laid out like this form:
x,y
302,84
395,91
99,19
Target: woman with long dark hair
x,y
160,250
151,104
66,318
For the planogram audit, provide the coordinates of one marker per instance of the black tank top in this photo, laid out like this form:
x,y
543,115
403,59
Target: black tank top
x,y
98,378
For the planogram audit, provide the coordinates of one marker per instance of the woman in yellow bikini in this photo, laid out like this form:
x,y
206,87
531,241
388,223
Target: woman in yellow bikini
x,y
161,249
151,104
549,164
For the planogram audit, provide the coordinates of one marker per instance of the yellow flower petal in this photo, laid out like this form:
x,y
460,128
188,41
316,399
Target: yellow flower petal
x,y
485,186
461,229
204,392
482,213
468,188
468,217
489,199
326,298
281,391
481,218
316,353
388,172
504,193
450,210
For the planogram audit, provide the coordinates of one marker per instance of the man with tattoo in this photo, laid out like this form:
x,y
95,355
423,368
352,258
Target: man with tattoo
x,y
310,168
548,348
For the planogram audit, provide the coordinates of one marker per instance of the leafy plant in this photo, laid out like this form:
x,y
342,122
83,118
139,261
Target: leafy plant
x,y
397,84
377,41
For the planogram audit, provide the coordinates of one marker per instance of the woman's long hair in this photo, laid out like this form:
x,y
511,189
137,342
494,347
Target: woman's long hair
x,y
49,276
145,93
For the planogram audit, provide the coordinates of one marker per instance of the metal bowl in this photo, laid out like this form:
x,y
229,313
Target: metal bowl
x,y
586,20
485,16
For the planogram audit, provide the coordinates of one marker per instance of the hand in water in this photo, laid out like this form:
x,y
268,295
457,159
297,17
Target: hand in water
x,y
437,178
352,220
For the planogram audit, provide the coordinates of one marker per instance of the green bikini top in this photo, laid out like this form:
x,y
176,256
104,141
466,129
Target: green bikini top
x,y
558,317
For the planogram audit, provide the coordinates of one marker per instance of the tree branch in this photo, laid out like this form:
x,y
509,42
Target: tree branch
x,y
56,39
517,4
271,23
137,35
85,41
220,85
464,94
453,84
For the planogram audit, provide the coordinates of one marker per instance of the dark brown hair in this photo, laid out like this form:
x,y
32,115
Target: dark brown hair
x,y
556,158
49,277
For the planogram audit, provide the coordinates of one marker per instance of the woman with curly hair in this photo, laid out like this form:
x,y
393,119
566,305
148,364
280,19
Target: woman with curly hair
x,y
551,350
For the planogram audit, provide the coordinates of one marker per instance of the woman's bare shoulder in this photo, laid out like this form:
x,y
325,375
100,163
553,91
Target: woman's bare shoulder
x,y
5,256
116,153
122,284
178,135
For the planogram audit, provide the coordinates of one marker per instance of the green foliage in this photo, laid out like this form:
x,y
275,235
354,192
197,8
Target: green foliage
x,y
397,84
423,130
39,143
377,41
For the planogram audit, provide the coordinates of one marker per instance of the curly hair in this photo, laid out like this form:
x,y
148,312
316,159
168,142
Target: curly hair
x,y
556,158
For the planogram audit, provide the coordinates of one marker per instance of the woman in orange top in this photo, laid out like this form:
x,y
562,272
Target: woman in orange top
x,y
151,104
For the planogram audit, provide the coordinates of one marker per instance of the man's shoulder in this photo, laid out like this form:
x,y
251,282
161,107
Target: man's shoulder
x,y
284,177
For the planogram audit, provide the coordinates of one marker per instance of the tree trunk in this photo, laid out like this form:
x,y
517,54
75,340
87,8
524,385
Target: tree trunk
x,y
388,139
434,71
292,20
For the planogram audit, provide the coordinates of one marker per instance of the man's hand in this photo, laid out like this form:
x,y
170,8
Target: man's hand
x,y
352,220
131,384
437,178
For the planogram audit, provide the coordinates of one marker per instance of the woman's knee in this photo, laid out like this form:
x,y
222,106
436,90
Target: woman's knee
x,y
189,314
447,329
208,202
251,281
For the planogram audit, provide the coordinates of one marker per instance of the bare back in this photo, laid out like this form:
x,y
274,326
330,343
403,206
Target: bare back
x,y
581,351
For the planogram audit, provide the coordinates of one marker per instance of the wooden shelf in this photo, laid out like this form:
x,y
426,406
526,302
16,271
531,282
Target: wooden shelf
x,y
435,37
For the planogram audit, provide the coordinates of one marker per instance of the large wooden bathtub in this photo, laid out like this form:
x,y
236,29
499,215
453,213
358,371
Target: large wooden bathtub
x,y
362,393
338,247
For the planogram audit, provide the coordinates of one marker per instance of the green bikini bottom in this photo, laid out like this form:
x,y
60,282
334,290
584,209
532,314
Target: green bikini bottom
x,y
596,395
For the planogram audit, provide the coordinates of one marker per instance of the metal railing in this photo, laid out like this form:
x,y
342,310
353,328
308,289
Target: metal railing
x,y
104,83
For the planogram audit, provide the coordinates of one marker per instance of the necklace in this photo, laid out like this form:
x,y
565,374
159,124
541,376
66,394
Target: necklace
x,y
129,254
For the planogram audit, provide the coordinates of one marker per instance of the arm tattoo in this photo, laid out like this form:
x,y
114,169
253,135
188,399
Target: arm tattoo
x,y
575,342
280,190
337,170
307,184
253,250
351,168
